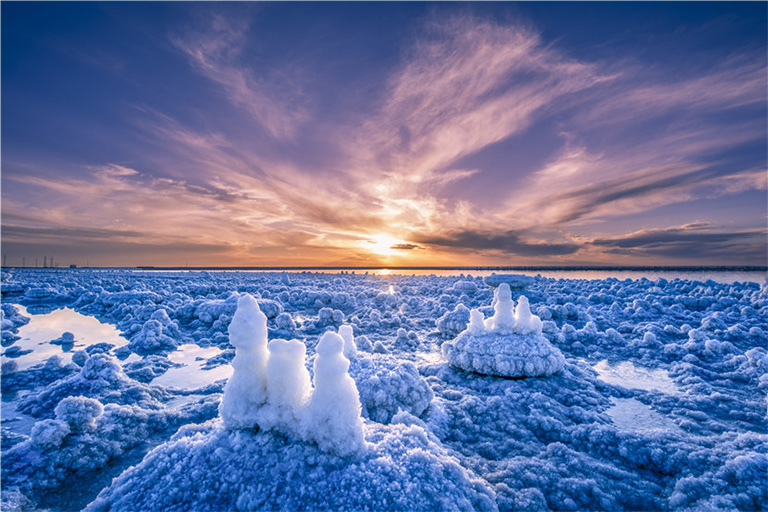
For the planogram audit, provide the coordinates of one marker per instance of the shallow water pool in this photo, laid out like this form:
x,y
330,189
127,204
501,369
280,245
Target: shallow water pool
x,y
632,376
632,415
36,336
192,375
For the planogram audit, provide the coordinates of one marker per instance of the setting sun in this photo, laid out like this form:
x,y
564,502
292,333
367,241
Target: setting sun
x,y
384,245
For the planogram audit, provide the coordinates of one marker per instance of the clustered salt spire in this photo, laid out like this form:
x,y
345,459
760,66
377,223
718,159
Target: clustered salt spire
x,y
270,387
476,324
288,385
350,348
503,319
525,321
509,344
246,390
333,417
507,319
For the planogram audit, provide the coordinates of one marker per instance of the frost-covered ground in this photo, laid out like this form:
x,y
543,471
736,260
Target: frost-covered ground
x,y
661,402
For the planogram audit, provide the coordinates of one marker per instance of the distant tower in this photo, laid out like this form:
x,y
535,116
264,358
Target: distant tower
x,y
36,262
45,261
5,259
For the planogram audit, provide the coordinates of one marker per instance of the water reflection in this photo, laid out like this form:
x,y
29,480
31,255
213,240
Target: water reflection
x,y
35,344
629,375
632,415
192,375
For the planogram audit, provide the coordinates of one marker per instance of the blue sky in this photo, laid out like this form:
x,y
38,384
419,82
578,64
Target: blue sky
x,y
384,133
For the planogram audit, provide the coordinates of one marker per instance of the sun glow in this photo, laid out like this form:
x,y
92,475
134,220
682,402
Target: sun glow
x,y
383,245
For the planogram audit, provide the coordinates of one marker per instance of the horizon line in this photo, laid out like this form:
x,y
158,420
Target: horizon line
x,y
741,268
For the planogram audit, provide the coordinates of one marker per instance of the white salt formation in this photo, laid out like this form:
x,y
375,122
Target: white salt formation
x,y
246,390
525,321
333,417
518,281
350,349
509,344
270,388
288,386
503,319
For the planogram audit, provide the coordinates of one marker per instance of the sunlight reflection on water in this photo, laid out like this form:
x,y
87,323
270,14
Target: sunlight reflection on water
x,y
634,416
629,375
192,375
42,329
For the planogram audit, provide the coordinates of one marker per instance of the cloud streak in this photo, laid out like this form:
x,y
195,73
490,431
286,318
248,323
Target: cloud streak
x,y
412,165
215,53
694,241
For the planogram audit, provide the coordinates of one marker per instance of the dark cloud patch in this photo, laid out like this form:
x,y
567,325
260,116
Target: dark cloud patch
x,y
509,242
115,252
405,247
585,200
65,234
693,243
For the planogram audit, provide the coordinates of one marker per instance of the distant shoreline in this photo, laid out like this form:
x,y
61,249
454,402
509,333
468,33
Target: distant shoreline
x,y
723,268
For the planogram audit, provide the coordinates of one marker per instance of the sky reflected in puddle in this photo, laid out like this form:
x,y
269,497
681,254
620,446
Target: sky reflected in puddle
x,y
191,375
432,357
16,421
631,376
42,329
631,415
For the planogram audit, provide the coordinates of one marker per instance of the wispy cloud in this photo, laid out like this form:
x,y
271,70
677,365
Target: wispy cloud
x,y
625,141
692,241
215,53
466,85
507,243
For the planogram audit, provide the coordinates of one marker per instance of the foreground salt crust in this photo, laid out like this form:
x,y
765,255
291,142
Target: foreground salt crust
x,y
270,387
210,468
509,344
274,425
542,444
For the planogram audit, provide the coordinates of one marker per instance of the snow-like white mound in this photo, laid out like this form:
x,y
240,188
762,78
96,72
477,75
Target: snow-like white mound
x,y
246,390
403,469
386,384
270,387
389,384
519,281
286,445
509,344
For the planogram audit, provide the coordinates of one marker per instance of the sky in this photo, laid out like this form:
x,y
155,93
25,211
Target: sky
x,y
384,134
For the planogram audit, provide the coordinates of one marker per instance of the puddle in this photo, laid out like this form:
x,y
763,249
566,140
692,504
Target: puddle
x,y
42,329
180,401
191,375
432,357
17,422
631,376
634,416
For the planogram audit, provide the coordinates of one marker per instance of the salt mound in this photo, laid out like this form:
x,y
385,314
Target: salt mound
x,y
240,470
246,390
519,281
332,416
509,344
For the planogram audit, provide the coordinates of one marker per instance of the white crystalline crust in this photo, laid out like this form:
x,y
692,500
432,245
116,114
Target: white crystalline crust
x,y
387,384
288,386
332,417
270,388
225,470
509,344
246,390
504,355
541,444
350,349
